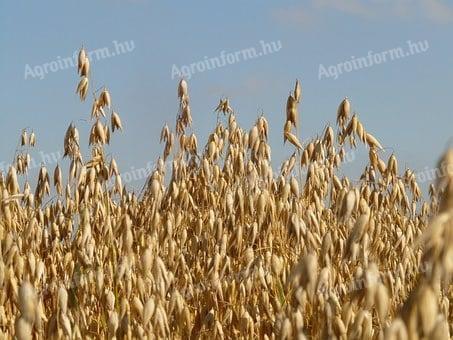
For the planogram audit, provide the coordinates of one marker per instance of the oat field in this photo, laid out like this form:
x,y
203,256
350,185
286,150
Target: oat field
x,y
220,244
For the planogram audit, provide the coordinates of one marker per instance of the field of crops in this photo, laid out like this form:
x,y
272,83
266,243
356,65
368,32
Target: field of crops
x,y
220,244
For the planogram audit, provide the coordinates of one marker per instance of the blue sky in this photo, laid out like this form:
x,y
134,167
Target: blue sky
x,y
404,102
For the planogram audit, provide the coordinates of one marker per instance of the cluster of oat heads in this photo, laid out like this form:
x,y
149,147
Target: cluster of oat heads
x,y
221,245
184,118
83,68
292,117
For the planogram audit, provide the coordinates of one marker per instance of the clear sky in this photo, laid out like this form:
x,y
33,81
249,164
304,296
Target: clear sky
x,y
405,102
